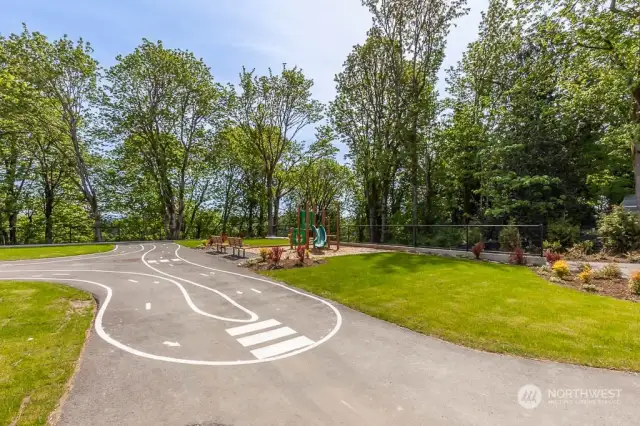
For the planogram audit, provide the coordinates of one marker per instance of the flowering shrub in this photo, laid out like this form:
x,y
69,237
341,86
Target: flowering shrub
x,y
264,254
634,283
518,257
561,268
275,255
611,271
586,276
477,249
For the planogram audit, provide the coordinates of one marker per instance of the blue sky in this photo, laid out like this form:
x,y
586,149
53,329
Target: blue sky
x,y
316,35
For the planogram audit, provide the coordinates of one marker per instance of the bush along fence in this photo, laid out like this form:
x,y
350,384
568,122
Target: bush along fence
x,y
496,238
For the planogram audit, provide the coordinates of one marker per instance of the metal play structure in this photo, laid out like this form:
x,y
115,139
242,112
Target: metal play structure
x,y
309,231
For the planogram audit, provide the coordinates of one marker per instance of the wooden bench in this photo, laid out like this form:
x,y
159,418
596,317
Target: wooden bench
x,y
218,243
236,245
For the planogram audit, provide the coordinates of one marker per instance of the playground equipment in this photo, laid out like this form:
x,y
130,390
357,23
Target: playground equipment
x,y
309,231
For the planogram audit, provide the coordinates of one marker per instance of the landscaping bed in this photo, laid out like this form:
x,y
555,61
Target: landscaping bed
x,y
489,306
42,331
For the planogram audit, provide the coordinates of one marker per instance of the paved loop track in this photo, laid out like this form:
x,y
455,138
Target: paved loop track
x,y
184,337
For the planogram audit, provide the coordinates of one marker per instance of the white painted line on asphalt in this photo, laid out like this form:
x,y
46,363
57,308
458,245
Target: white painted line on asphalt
x,y
36,276
239,292
153,261
60,275
204,275
282,347
266,336
175,260
252,315
164,260
133,281
171,344
156,282
148,306
346,404
212,273
244,329
256,291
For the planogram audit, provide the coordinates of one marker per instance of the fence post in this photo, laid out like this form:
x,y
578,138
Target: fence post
x,y
415,235
467,242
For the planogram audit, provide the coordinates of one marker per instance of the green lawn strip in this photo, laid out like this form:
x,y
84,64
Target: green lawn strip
x,y
21,253
55,318
497,308
249,243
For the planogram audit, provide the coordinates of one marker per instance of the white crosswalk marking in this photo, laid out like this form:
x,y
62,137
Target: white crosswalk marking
x,y
257,326
266,336
153,261
256,291
282,347
175,260
164,260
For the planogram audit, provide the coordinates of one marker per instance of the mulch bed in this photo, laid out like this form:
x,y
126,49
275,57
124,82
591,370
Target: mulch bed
x,y
256,264
611,287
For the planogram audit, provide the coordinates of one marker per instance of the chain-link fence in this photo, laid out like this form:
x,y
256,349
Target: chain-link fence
x,y
496,238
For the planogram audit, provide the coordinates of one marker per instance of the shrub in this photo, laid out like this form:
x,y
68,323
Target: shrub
x,y
584,267
611,271
563,232
634,283
561,268
620,230
477,249
518,257
586,276
264,254
580,250
591,288
204,243
301,252
509,238
275,254
475,234
553,246
552,257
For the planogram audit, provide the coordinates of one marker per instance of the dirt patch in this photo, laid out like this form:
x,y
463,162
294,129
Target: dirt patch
x,y
80,305
611,287
631,257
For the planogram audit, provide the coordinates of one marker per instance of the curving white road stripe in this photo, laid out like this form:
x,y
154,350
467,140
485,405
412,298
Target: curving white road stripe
x,y
184,292
101,332
253,316
333,308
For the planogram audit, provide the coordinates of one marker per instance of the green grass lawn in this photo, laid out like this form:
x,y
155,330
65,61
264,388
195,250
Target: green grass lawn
x,y
497,308
263,242
20,253
42,330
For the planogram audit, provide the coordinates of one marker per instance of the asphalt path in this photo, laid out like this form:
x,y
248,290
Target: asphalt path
x,y
182,337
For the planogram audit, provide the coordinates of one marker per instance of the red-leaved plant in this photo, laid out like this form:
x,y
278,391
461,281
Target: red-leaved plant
x,y
477,249
552,257
300,252
518,257
275,255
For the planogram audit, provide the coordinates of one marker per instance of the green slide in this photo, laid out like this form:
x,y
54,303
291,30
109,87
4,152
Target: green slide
x,y
320,235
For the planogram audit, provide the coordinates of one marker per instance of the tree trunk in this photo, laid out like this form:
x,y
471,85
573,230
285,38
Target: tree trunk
x,y
270,205
48,217
250,219
276,215
13,219
636,142
261,220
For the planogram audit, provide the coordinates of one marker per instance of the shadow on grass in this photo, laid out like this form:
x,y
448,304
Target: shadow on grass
x,y
389,263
